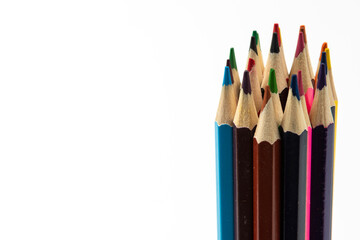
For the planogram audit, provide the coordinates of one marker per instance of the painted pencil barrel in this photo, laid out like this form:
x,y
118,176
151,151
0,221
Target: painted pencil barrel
x,y
309,98
267,190
321,182
224,181
308,184
294,162
243,183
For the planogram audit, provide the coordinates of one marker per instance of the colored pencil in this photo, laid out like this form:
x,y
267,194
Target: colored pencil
x,y
300,63
308,163
294,159
274,61
275,97
224,159
277,30
321,161
235,73
267,152
257,38
302,29
334,95
245,121
255,87
253,54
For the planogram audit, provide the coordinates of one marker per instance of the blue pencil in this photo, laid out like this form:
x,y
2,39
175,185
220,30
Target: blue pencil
x,y
224,159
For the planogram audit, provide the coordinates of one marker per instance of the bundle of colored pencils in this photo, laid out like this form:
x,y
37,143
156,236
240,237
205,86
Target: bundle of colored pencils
x,y
275,145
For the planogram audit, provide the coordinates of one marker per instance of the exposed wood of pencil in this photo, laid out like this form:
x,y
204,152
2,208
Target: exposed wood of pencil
x,y
308,164
245,121
274,61
300,63
294,160
267,151
321,161
255,87
224,159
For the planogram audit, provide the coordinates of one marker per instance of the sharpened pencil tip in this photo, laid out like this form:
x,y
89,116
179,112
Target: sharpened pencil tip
x,y
232,58
253,44
231,75
300,84
277,31
294,86
251,64
227,77
256,36
246,86
323,47
327,50
323,60
272,81
300,44
274,44
302,29
322,77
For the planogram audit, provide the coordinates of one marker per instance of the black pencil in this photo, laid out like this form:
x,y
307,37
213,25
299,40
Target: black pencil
x,y
294,160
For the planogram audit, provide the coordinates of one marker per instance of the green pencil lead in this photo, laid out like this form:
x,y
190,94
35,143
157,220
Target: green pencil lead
x,y
272,81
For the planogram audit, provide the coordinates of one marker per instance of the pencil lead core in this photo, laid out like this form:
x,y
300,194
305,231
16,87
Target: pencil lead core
x,y
277,31
294,86
246,86
274,44
322,77
323,47
302,29
328,61
253,44
251,64
323,60
272,81
227,77
231,75
232,58
300,44
256,35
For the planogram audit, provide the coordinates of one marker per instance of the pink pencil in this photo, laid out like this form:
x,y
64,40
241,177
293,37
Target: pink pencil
x,y
308,163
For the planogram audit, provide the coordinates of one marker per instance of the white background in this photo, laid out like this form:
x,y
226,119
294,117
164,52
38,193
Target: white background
x,y
107,111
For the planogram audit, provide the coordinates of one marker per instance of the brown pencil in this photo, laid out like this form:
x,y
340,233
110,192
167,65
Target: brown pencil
x,y
245,121
267,152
